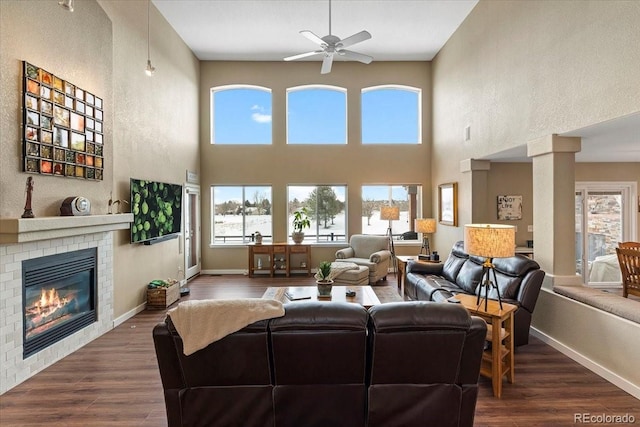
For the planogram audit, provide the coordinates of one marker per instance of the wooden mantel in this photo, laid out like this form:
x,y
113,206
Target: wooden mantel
x,y
20,230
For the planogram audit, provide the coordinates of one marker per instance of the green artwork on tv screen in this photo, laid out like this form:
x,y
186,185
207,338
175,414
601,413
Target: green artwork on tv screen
x,y
156,208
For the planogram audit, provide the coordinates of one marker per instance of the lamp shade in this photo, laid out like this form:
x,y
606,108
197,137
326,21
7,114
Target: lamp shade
x,y
490,240
425,225
390,213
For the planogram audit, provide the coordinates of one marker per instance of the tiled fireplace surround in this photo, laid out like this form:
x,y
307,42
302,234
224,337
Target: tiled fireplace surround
x,y
34,238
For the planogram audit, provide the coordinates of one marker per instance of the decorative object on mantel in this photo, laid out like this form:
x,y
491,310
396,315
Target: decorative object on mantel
x,y
75,206
28,213
509,207
63,127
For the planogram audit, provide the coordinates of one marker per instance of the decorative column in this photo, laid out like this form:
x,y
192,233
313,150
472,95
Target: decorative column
x,y
476,174
554,206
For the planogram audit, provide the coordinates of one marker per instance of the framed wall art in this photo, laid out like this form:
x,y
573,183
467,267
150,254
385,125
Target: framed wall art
x,y
448,204
62,127
509,207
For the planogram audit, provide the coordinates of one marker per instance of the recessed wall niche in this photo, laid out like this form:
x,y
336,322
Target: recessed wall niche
x,y
62,127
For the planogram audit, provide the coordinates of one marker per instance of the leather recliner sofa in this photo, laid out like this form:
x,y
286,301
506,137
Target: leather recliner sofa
x,y
330,364
518,278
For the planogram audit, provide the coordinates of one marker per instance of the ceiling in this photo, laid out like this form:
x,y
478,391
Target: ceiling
x,y
616,140
268,30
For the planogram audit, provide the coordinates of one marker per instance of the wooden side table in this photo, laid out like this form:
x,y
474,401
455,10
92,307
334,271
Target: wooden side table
x,y
402,261
499,360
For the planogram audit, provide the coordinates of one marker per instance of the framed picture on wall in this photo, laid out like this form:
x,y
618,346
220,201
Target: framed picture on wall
x,y
509,207
448,204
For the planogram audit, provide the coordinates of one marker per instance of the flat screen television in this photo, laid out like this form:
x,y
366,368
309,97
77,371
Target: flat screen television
x,y
157,211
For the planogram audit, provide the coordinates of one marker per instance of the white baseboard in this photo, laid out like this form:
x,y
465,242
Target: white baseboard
x,y
128,315
594,367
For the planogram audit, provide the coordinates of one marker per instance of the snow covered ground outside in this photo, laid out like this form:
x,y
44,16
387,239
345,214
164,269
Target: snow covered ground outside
x,y
230,226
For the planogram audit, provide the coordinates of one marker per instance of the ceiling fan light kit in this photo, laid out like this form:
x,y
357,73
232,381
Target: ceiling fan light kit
x,y
331,45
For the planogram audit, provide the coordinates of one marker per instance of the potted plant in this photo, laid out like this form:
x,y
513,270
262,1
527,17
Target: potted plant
x,y
300,222
323,279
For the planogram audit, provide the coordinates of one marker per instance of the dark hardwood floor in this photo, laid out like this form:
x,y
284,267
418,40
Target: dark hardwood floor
x,y
114,380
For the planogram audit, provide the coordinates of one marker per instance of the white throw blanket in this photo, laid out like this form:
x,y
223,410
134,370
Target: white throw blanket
x,y
339,267
201,322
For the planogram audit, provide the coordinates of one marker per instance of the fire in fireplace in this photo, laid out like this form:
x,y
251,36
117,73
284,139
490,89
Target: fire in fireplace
x,y
59,297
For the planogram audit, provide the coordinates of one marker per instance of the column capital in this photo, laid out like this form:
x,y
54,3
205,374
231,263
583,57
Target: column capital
x,y
470,165
553,144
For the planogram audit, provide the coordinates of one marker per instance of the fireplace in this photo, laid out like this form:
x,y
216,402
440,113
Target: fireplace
x,y
59,297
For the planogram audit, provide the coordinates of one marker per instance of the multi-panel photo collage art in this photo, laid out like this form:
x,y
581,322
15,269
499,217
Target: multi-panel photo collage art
x,y
63,127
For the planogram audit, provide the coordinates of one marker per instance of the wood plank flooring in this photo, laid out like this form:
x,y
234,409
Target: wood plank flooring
x,y
114,380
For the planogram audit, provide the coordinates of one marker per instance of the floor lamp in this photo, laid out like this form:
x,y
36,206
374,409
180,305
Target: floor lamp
x,y
390,213
425,226
489,241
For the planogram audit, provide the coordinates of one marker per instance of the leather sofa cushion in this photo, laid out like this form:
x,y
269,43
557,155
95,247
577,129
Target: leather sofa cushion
x,y
517,265
452,267
469,276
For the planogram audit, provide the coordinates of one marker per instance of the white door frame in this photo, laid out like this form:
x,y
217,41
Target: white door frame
x,y
629,192
191,237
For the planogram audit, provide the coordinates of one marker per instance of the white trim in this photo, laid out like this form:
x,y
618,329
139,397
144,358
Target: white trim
x,y
129,314
219,272
594,367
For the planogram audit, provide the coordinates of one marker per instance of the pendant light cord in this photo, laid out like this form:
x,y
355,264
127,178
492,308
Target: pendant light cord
x,y
148,31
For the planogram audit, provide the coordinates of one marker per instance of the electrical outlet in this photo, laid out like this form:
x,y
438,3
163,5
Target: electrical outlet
x,y
530,228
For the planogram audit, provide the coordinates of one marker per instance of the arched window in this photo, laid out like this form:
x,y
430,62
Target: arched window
x,y
241,114
391,114
316,114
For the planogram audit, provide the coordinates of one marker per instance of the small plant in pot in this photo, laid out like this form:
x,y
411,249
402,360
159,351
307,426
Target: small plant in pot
x,y
323,279
300,222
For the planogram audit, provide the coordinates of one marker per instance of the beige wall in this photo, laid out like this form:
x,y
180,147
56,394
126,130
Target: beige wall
x,y
151,124
516,71
512,179
76,47
278,165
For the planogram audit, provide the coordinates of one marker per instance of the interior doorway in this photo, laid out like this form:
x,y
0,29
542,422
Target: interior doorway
x,y
604,217
192,231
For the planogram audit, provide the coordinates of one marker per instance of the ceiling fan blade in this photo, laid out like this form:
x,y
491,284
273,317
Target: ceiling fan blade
x,y
303,55
311,36
356,38
349,54
326,64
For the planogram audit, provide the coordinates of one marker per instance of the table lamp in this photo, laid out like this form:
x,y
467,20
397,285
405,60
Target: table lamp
x,y
390,213
425,226
489,241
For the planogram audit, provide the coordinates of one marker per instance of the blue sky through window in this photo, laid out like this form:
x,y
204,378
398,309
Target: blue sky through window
x,y
241,116
317,116
390,116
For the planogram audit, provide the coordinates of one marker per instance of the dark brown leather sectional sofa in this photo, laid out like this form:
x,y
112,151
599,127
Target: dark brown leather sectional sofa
x,y
519,280
330,364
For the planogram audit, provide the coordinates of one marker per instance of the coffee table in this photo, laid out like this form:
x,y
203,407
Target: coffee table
x,y
499,360
365,296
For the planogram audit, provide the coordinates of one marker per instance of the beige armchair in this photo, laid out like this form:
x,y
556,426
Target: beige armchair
x,y
369,251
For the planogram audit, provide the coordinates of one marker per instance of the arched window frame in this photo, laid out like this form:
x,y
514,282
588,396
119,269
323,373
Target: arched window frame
x,y
318,87
415,90
216,89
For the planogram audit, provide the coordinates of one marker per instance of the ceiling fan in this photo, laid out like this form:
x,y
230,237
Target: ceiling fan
x,y
331,45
